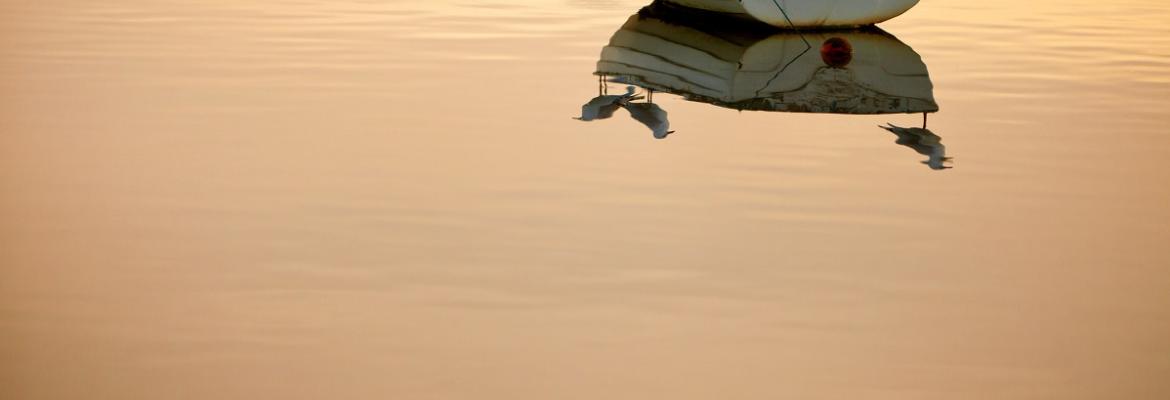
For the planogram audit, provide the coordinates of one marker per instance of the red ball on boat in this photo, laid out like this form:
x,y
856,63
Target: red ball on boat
x,y
836,52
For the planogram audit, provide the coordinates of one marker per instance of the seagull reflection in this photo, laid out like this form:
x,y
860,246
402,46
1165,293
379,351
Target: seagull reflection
x,y
651,115
924,142
603,106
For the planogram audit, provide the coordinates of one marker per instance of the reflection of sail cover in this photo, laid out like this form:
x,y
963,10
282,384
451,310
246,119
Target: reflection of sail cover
x,y
748,68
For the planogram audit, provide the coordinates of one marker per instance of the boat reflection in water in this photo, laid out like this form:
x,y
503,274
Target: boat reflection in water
x,y
743,65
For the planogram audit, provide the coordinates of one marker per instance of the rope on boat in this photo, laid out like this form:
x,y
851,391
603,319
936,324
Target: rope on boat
x,y
807,46
790,23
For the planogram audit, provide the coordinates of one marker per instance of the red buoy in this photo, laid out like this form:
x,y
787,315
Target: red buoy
x,y
836,52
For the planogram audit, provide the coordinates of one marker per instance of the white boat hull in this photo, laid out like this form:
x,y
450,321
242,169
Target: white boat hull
x,y
808,13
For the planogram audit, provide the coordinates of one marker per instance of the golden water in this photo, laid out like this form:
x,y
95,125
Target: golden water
x,y
369,199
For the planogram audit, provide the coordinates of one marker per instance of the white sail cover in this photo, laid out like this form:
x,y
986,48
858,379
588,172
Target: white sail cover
x,y
808,13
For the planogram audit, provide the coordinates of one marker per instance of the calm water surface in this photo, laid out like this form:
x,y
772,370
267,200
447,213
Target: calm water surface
x,y
390,199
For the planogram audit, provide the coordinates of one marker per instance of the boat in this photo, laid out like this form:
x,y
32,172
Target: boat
x,y
751,67
806,13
